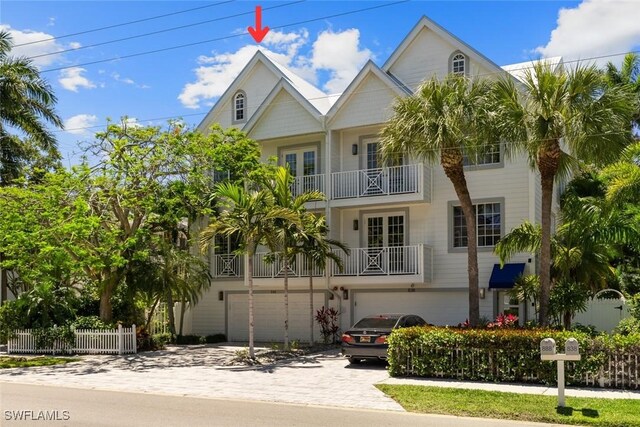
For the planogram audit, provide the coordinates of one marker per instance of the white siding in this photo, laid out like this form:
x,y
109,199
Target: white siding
x,y
370,103
285,116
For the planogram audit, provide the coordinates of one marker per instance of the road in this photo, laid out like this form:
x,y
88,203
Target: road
x,y
93,408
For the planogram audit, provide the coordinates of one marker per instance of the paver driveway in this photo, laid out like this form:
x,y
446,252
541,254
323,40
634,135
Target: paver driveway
x,y
320,379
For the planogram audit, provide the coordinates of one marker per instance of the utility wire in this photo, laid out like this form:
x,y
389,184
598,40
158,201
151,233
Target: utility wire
x,y
224,37
166,30
123,24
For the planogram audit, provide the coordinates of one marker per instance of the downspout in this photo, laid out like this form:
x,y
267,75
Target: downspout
x,y
327,210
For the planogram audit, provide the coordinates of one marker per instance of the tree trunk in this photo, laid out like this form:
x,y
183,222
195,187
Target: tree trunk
x,y
183,306
249,273
286,300
4,282
567,319
172,318
150,316
106,309
453,167
311,304
548,161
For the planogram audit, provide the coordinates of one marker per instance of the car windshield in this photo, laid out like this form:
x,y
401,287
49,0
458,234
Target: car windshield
x,y
378,322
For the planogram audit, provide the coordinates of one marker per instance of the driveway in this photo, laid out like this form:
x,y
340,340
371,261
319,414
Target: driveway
x,y
200,371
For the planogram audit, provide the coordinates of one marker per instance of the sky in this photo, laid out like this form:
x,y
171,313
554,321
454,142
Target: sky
x,y
96,54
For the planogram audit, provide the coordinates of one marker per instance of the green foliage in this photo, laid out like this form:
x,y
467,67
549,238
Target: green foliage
x,y
216,338
497,355
58,337
190,339
634,306
628,326
161,340
26,362
90,322
11,318
327,318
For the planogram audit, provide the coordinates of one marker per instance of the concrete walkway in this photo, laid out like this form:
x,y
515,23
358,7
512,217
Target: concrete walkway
x,y
199,371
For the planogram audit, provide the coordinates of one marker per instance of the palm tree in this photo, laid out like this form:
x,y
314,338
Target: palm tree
x,y
628,75
557,117
445,121
26,104
250,215
590,236
623,177
284,239
316,248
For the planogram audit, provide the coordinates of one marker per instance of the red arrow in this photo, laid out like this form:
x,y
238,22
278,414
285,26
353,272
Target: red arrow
x,y
258,33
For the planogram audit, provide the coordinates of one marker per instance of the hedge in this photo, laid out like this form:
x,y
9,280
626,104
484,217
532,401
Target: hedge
x,y
512,355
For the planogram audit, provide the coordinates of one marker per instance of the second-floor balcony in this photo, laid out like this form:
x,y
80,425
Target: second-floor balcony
x,y
307,183
365,185
414,263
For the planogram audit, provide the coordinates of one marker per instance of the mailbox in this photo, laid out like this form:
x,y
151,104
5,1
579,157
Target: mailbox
x,y
572,349
548,349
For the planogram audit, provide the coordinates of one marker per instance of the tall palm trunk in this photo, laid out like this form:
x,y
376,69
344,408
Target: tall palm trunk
x,y
249,272
548,162
453,167
183,308
286,300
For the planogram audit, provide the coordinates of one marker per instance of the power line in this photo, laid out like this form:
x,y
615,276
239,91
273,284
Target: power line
x,y
166,30
123,24
224,37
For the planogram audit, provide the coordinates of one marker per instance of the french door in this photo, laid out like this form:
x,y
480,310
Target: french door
x,y
303,164
376,180
385,241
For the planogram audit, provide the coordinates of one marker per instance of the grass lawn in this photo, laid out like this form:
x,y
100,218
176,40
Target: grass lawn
x,y
515,406
25,362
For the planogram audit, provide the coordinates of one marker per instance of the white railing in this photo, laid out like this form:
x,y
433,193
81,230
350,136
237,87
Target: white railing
x,y
377,182
307,183
271,266
395,260
227,265
88,341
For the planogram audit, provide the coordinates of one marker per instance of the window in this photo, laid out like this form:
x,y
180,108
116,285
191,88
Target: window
x,y
239,107
488,225
492,156
459,64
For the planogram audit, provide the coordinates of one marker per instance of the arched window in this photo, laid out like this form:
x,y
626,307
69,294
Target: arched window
x,y
239,107
458,64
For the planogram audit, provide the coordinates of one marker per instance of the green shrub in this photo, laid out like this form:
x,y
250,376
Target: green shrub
x,y
628,326
497,355
190,339
62,336
216,338
634,306
91,322
161,340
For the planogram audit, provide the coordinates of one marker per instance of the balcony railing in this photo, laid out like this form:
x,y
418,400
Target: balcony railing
x,y
272,266
304,184
377,182
384,261
227,265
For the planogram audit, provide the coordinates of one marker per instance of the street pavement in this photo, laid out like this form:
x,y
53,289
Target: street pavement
x,y
324,379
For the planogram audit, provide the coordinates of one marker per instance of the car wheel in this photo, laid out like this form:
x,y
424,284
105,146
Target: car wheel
x,y
354,360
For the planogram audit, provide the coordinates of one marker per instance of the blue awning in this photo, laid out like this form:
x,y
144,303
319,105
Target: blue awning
x,y
504,278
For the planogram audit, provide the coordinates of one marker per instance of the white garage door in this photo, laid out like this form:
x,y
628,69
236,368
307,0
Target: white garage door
x,y
438,308
268,312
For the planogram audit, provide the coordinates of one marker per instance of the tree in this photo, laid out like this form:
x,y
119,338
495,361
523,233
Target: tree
x,y
26,105
557,117
250,215
316,248
287,233
445,121
623,177
627,76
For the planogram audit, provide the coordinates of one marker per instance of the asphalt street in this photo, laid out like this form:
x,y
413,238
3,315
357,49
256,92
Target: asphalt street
x,y
65,406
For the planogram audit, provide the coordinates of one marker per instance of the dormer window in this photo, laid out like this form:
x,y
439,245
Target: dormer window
x,y
239,107
458,64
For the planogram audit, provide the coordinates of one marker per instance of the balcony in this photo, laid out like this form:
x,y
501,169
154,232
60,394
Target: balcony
x,y
398,264
405,183
304,184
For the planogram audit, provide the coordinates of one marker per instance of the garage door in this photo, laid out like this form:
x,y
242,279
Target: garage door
x,y
269,316
439,308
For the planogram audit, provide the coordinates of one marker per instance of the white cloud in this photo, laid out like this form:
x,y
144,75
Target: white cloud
x,y
76,124
28,36
340,54
125,80
72,79
337,52
593,28
75,45
51,22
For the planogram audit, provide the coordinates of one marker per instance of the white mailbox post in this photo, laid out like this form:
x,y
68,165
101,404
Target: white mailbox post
x,y
571,352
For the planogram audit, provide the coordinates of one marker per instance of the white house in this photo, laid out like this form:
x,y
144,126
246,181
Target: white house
x,y
402,223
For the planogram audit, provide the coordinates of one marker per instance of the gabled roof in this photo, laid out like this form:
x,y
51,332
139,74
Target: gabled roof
x,y
369,68
283,84
518,70
446,35
318,99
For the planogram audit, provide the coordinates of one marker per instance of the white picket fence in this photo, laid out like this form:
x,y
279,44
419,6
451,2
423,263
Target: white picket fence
x,y
87,341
